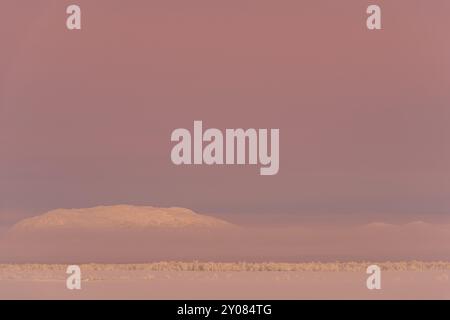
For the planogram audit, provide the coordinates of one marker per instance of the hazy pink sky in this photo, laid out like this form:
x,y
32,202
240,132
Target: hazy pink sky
x,y
86,116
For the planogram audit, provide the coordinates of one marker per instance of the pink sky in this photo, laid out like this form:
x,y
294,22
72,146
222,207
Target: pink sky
x,y
86,116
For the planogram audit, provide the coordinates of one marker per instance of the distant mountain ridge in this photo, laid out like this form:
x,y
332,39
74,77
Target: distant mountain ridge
x,y
119,217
